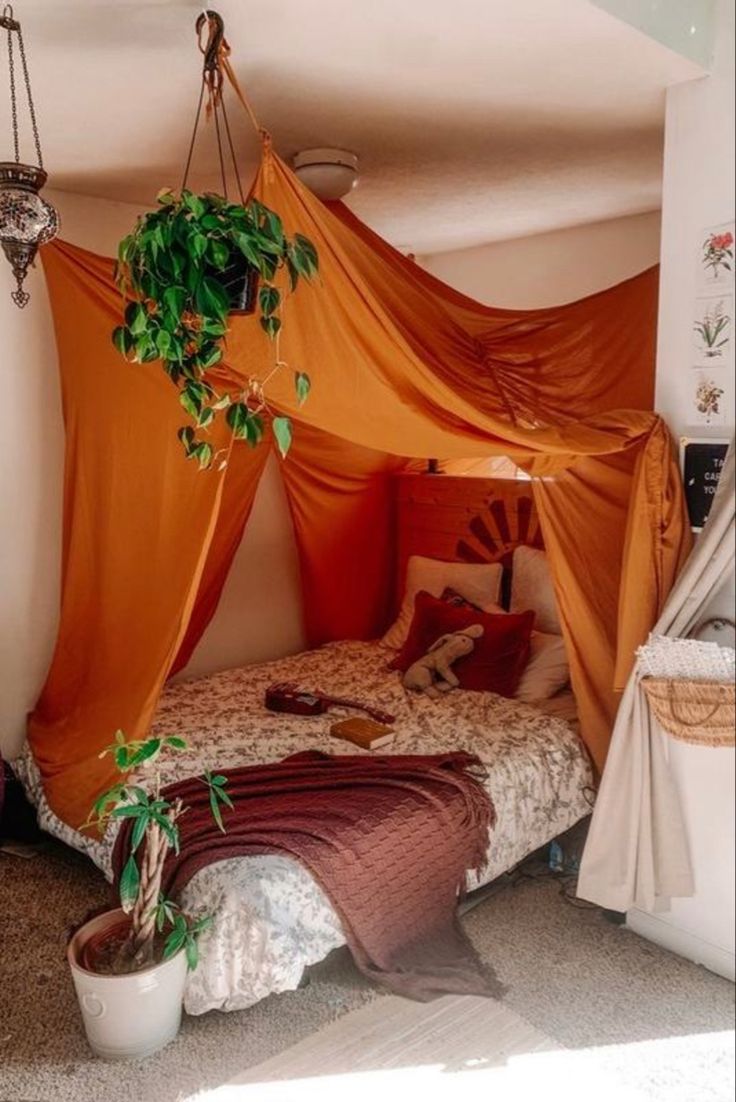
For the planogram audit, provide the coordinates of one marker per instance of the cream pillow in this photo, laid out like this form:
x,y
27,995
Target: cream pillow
x,y
478,583
547,670
532,588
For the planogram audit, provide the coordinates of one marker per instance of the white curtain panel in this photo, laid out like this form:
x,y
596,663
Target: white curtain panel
x,y
637,854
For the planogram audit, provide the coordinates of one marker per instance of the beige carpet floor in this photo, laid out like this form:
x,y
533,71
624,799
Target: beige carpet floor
x,y
656,1022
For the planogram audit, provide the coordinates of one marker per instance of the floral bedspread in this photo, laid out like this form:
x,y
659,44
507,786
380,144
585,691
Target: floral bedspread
x,y
271,919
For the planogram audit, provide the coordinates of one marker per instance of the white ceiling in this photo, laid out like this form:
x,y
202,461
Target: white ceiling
x,y
473,119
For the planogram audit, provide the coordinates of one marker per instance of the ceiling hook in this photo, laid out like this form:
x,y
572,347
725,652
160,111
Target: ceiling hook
x,y
212,50
8,21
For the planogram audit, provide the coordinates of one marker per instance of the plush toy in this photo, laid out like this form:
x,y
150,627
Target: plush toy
x,y
432,674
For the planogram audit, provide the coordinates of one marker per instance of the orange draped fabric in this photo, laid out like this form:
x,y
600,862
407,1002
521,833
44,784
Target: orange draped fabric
x,y
403,368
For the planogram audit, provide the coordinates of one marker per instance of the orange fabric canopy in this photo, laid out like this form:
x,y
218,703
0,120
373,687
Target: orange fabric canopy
x,y
402,367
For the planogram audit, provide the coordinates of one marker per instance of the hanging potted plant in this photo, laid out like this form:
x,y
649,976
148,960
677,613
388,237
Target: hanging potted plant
x,y
185,268
129,965
197,259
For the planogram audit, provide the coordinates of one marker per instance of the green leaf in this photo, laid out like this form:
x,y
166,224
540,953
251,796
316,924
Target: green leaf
x,y
215,809
129,884
281,428
274,227
206,417
303,385
163,342
211,357
193,203
249,249
192,953
237,418
128,811
204,453
191,399
136,318
139,830
254,433
174,299
123,340
224,797
268,300
212,299
186,435
218,253
306,248
222,403
173,943
218,779
146,752
198,245
175,742
122,759
166,197
271,326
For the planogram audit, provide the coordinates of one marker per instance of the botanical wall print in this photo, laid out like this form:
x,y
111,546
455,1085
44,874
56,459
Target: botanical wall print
x,y
713,331
716,260
708,401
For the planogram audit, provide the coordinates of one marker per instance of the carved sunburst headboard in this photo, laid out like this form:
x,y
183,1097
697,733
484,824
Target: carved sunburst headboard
x,y
463,519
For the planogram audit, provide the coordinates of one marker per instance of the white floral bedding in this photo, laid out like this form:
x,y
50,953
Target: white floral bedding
x,y
271,919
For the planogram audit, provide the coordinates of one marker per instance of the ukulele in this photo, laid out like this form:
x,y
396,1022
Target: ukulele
x,y
286,697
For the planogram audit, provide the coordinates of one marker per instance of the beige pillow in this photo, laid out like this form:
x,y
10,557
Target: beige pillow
x,y
532,588
479,583
547,670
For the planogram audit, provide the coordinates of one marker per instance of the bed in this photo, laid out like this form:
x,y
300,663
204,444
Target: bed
x,y
271,919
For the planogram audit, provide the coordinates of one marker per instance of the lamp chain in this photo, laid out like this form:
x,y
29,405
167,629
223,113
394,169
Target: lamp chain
x,y
13,25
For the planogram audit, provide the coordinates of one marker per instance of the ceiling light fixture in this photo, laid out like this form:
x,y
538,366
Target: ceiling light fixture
x,y
26,220
329,173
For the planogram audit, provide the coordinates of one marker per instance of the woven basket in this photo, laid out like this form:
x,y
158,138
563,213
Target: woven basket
x,y
699,712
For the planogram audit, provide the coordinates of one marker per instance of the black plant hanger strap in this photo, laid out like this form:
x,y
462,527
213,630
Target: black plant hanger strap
x,y
216,68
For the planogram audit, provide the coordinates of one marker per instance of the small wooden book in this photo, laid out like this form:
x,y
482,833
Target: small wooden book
x,y
365,733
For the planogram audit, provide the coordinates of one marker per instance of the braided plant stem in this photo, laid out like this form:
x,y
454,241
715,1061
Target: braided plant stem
x,y
139,946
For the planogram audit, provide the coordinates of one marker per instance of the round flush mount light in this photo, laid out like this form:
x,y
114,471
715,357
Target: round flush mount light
x,y
329,173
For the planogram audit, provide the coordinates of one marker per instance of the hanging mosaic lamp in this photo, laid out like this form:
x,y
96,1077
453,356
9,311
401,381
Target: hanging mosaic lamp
x,y
26,220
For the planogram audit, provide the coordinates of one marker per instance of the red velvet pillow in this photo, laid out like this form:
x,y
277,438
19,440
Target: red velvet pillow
x,y
499,656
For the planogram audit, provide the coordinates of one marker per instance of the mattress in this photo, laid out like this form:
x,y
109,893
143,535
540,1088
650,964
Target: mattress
x,y
271,918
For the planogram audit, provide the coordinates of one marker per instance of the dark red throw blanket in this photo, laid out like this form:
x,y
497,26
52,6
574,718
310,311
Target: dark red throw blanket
x,y
389,838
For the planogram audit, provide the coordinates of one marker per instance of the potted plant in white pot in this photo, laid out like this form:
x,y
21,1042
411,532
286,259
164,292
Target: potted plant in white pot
x,y
129,965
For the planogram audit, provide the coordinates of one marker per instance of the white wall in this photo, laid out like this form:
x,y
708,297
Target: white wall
x,y
698,192
260,616
31,470
551,268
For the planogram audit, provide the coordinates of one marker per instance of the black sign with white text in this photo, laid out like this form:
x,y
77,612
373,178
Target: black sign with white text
x,y
702,463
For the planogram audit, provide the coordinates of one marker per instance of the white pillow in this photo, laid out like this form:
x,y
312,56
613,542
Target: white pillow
x,y
478,583
547,670
532,588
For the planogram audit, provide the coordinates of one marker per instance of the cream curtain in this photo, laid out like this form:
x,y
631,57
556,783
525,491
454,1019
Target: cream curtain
x,y
636,854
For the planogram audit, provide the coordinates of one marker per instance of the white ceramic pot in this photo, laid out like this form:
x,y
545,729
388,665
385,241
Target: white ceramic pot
x,y
126,1017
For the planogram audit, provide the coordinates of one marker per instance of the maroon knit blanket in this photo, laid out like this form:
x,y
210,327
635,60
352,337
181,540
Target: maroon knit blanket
x,y
389,838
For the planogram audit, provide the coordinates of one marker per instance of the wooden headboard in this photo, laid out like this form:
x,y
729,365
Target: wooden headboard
x,y
462,519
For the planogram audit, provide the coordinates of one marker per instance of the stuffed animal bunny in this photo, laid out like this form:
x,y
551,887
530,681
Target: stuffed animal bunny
x,y
432,674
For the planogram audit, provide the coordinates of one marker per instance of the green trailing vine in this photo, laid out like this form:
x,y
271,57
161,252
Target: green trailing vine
x,y
180,269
